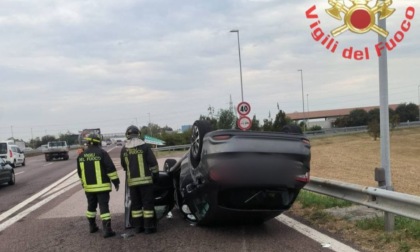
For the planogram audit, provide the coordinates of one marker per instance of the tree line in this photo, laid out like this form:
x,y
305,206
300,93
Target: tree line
x,y
226,119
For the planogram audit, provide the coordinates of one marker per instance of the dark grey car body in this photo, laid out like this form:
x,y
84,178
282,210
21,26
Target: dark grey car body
x,y
7,173
240,176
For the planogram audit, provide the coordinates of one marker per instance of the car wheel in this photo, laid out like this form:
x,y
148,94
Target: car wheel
x,y
168,164
292,129
23,164
199,130
12,179
14,164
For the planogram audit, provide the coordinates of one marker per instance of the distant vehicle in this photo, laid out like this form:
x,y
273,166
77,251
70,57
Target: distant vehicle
x,y
239,176
42,147
56,150
12,153
7,173
26,149
119,142
108,142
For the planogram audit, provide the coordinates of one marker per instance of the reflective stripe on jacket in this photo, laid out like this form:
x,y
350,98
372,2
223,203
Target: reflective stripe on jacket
x,y
96,170
140,164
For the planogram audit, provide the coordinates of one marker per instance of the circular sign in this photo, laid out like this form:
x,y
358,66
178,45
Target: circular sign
x,y
244,108
244,123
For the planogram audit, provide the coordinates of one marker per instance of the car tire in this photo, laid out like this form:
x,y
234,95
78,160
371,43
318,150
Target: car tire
x,y
292,129
199,130
14,164
12,180
168,164
23,164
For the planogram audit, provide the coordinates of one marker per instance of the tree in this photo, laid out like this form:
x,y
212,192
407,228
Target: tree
x,y
374,129
341,122
255,124
213,121
268,125
280,121
69,137
358,117
407,112
47,138
227,119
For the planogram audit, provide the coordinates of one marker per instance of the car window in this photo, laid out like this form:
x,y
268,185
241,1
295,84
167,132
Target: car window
x,y
18,150
3,148
14,149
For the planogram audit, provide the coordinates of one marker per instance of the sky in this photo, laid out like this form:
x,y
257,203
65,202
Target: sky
x,y
69,65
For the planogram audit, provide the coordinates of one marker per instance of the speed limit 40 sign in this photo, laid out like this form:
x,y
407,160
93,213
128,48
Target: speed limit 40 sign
x,y
243,108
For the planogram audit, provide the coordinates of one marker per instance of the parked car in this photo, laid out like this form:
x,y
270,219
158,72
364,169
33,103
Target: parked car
x,y
7,173
234,176
12,153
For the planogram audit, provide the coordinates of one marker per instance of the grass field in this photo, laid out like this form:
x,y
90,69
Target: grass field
x,y
353,158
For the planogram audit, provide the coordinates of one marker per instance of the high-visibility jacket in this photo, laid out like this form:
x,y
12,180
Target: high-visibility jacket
x,y
96,170
139,161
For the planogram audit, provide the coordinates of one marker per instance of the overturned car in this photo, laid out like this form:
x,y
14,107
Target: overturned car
x,y
234,176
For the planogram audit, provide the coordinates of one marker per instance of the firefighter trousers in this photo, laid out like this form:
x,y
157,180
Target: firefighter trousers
x,y
101,198
143,205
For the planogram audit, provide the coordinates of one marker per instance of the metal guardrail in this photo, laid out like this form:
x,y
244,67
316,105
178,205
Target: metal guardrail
x,y
389,201
175,147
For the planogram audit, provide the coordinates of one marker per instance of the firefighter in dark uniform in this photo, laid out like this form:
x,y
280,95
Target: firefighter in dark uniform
x,y
96,172
140,163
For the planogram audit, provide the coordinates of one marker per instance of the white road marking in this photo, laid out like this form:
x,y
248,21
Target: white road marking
x,y
47,164
19,173
315,235
16,208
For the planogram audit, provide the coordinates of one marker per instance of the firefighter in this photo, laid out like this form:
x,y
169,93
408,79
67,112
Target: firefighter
x,y
140,163
96,172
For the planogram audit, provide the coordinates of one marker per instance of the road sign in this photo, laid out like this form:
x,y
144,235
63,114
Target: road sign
x,y
244,123
244,108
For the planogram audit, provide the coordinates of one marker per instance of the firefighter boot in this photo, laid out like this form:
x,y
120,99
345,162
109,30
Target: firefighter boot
x,y
138,225
150,225
92,225
108,232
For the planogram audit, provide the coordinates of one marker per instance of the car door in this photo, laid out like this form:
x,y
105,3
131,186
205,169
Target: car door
x,y
17,154
164,198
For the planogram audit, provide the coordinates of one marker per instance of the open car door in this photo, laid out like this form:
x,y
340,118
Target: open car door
x,y
164,198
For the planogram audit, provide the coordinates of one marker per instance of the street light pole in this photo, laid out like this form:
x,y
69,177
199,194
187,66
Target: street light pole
x,y
418,91
303,99
307,103
240,64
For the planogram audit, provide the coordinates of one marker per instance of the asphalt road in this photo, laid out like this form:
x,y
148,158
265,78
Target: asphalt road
x,y
58,223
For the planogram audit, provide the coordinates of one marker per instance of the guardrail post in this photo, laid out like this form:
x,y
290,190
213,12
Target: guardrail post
x,y
389,218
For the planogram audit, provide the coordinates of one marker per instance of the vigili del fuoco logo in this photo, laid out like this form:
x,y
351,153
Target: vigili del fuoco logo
x,y
359,18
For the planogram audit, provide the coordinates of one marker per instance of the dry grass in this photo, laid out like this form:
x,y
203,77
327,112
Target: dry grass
x,y
353,158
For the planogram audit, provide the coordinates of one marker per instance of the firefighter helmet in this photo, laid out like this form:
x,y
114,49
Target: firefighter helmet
x,y
132,132
93,139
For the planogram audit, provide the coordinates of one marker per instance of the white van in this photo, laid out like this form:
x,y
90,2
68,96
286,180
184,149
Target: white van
x,y
12,153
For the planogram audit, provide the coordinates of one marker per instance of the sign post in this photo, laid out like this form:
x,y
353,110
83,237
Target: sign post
x,y
244,122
